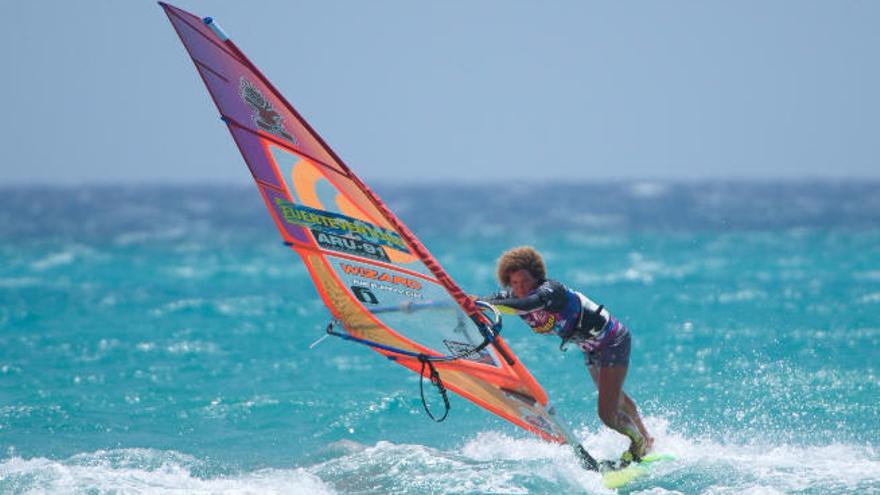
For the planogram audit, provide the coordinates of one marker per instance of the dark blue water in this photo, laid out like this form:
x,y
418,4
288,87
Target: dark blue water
x,y
157,338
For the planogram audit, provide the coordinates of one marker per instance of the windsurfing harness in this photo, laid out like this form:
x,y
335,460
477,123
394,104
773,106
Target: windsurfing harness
x,y
376,278
553,308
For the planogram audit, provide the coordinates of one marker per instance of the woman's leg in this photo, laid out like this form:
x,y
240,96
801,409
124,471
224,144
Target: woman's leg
x,y
610,412
629,408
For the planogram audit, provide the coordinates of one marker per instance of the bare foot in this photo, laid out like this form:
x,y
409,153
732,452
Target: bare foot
x,y
637,450
649,444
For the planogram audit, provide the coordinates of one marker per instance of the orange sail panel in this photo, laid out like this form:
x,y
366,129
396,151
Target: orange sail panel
x,y
373,274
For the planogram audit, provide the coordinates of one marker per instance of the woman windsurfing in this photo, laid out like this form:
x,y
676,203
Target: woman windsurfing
x,y
549,307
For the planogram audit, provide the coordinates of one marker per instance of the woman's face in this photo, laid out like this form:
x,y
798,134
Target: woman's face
x,y
522,282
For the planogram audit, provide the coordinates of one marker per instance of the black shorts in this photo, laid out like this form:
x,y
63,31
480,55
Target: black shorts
x,y
615,354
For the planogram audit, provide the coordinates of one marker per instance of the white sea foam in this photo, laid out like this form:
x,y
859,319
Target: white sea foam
x,y
641,270
143,236
179,305
593,220
648,190
870,275
53,260
741,295
19,282
220,409
142,471
702,465
582,239
392,468
193,347
872,298
489,462
233,306
764,466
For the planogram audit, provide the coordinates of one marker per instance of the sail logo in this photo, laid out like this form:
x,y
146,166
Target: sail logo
x,y
265,116
336,223
350,246
380,276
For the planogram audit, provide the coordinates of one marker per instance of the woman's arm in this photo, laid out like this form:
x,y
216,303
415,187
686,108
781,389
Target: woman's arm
x,y
549,295
520,304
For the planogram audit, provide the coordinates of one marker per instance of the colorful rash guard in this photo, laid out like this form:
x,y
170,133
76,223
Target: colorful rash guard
x,y
554,308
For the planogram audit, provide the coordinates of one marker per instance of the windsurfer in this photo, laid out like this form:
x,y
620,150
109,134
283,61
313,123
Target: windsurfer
x,y
549,307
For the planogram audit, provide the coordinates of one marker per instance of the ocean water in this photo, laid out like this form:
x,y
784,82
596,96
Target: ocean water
x,y
155,339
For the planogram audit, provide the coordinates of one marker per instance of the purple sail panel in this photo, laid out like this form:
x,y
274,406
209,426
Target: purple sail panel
x,y
242,97
254,151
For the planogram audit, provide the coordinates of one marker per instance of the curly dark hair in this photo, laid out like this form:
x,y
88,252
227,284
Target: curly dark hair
x,y
520,258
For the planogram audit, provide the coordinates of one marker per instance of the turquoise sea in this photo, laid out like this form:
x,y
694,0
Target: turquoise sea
x,y
155,339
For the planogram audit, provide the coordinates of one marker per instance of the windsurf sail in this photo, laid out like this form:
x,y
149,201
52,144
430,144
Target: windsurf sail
x,y
381,284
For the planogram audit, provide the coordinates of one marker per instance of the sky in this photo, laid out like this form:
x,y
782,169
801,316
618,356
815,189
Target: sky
x,y
459,90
